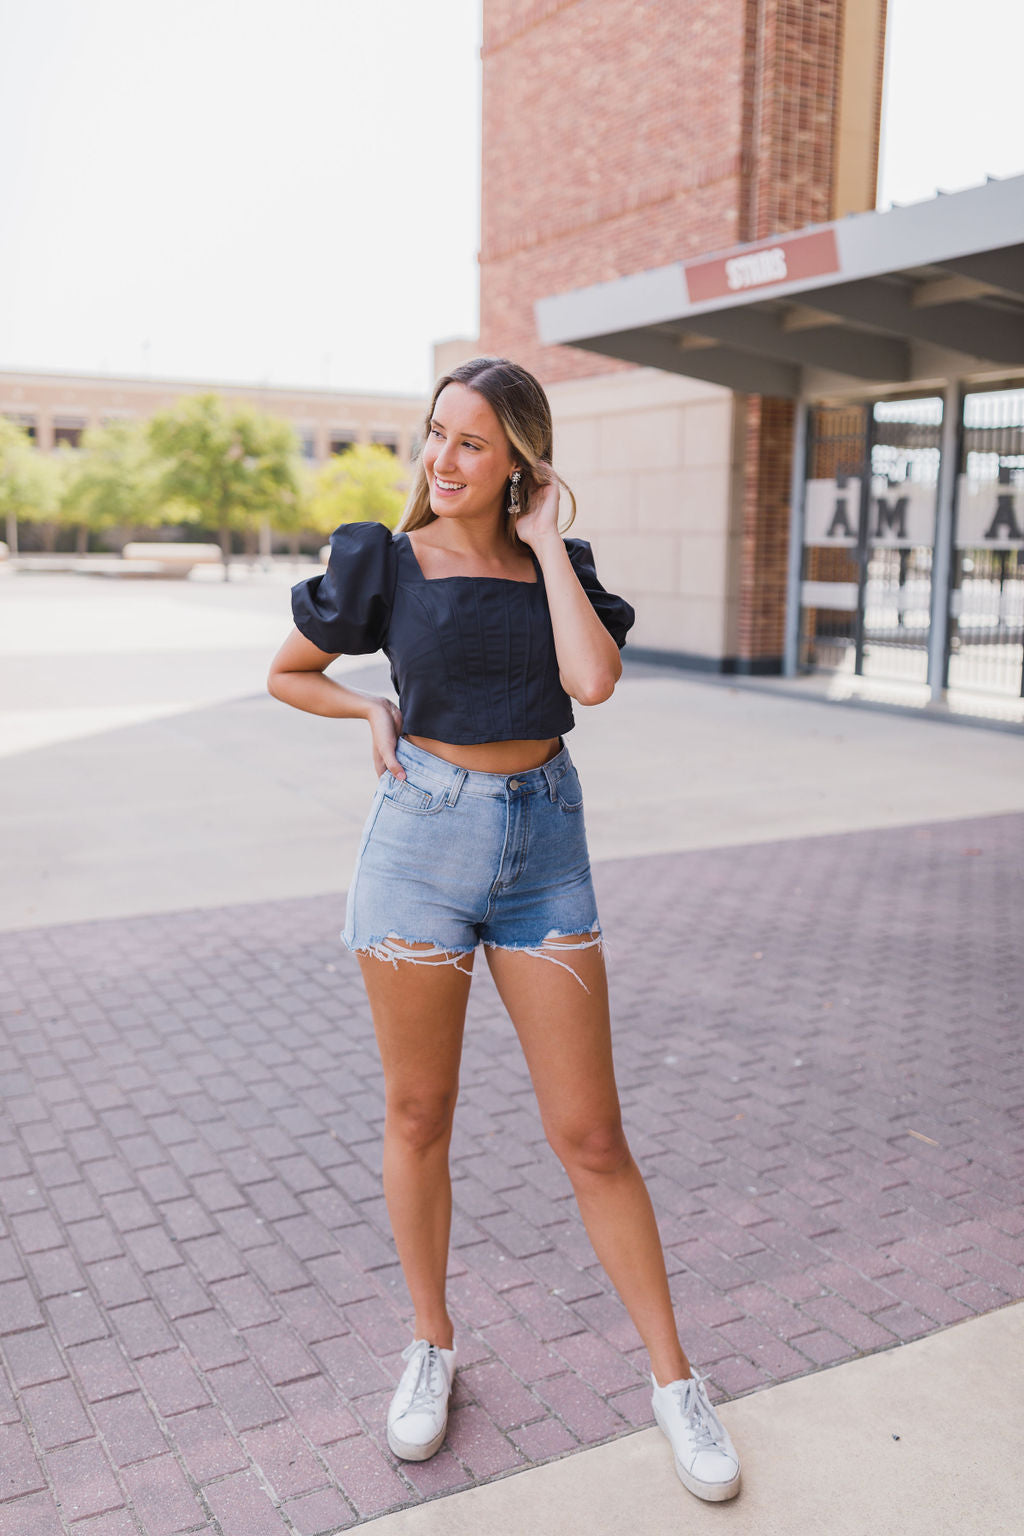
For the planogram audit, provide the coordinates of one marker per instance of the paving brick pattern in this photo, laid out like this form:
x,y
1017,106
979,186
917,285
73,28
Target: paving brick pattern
x,y
201,1315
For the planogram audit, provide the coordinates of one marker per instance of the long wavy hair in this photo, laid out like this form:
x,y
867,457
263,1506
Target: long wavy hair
x,y
522,408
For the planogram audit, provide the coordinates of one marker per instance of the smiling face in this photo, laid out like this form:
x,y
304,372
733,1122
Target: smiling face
x,y
467,457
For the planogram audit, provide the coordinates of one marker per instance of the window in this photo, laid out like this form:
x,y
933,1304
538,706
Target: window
x,y
27,423
67,429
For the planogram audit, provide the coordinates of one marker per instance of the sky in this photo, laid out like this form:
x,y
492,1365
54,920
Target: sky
x,y
287,191
281,191
952,108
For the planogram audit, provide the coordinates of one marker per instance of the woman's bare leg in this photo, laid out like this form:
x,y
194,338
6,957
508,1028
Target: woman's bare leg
x,y
419,1010
566,1037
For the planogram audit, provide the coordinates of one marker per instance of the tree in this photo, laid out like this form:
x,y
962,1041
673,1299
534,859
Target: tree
x,y
296,517
28,484
229,463
365,484
113,481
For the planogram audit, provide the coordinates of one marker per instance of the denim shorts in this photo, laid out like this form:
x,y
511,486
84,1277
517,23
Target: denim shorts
x,y
451,858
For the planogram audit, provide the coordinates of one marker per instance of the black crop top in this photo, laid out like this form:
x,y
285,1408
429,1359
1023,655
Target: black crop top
x,y
472,657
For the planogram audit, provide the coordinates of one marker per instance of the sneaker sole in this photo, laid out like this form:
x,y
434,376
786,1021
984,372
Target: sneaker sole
x,y
711,1493
406,1452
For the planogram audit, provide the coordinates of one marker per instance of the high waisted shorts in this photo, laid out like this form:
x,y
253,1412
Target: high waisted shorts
x,y
451,858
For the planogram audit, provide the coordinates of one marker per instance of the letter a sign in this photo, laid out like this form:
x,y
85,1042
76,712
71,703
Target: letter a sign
x,y
990,513
832,511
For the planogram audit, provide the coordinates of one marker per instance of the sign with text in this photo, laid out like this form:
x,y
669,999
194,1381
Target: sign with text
x,y
989,513
832,511
900,516
779,261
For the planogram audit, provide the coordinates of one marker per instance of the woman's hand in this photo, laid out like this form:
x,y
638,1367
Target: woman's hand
x,y
541,521
385,721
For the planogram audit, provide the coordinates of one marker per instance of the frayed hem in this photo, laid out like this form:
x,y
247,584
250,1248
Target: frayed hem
x,y
542,951
394,948
398,950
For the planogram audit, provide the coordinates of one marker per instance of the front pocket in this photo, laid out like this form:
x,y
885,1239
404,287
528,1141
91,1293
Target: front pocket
x,y
569,790
409,797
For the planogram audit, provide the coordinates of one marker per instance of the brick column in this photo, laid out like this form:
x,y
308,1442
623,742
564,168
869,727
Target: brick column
x,y
765,534
619,137
798,61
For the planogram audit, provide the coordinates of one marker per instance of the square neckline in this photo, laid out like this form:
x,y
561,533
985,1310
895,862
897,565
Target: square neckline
x,y
508,581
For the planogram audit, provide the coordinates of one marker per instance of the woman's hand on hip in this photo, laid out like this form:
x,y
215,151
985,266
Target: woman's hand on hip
x,y
385,721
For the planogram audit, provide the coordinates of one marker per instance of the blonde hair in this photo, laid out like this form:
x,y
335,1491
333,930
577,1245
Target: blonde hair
x,y
522,408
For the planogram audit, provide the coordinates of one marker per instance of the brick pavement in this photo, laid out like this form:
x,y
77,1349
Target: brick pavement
x,y
819,1050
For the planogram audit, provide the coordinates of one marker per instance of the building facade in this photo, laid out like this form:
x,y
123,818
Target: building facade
x,y
57,408
618,136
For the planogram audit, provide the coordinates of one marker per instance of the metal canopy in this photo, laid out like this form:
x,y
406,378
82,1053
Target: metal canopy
x,y
873,303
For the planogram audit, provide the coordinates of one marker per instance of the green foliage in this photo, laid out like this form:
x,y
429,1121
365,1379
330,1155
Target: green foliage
x,y
365,484
228,464
29,482
294,516
220,464
112,480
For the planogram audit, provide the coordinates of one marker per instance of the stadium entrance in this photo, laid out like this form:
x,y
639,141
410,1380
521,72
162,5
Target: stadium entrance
x,y
894,343
887,594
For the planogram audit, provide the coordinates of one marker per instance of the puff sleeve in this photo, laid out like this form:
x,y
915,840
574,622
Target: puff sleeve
x,y
347,609
614,612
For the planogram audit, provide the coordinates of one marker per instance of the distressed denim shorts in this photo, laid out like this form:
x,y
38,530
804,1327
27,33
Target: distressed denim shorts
x,y
452,858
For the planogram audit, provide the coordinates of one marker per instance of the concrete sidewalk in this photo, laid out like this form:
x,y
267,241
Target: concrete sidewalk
x,y
911,1442
240,799
200,1309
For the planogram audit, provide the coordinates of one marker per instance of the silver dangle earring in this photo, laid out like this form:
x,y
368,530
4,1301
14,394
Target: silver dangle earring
x,y
513,494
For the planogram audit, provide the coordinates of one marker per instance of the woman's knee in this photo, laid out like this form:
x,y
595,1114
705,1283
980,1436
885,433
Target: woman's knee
x,y
592,1149
419,1120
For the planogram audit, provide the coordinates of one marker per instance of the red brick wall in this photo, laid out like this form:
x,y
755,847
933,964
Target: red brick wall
x,y
791,76
792,60
879,91
612,137
620,135
765,541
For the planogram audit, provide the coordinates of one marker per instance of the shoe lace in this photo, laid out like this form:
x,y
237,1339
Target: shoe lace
x,y
693,1406
427,1386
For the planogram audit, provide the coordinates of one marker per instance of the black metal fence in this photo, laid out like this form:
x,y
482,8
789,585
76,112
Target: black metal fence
x,y
869,541
986,633
836,448
905,454
877,556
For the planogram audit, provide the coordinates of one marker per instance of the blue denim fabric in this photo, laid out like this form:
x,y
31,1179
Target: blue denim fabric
x,y
454,858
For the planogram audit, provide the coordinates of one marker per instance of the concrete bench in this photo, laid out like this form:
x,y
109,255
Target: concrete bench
x,y
170,559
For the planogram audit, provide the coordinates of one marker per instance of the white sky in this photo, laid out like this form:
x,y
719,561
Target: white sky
x,y
952,97
288,190
261,190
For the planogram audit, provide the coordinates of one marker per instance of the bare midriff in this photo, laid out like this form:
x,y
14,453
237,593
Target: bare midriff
x,y
492,756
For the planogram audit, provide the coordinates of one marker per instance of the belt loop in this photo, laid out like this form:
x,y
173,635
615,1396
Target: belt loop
x,y
456,789
552,778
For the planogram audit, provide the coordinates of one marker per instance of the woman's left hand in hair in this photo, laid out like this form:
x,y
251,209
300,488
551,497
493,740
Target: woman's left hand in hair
x,y
540,522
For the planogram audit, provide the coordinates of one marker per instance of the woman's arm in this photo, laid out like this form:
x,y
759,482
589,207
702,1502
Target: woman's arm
x,y
297,678
589,664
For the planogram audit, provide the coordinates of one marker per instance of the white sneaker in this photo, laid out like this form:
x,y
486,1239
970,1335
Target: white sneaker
x,y
418,1415
706,1458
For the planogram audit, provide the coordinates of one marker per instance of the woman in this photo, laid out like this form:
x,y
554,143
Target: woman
x,y
492,623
